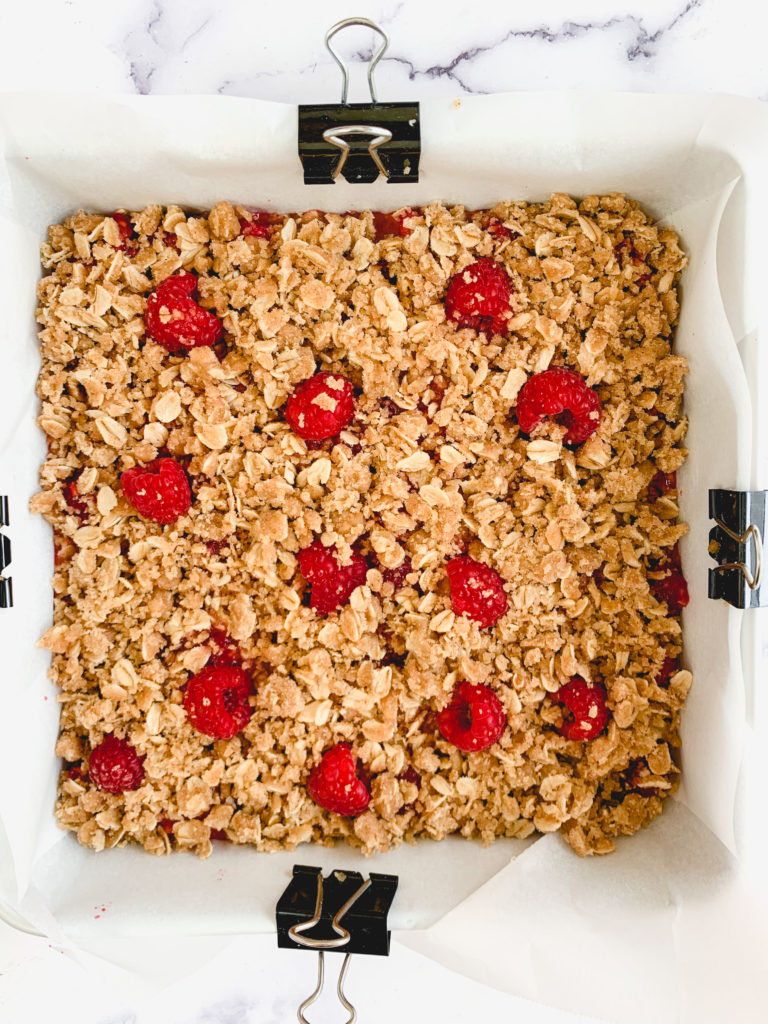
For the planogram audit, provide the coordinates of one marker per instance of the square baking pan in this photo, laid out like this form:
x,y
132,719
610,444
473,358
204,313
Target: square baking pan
x,y
692,161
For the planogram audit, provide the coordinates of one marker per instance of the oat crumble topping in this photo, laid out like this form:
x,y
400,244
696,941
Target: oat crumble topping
x,y
432,466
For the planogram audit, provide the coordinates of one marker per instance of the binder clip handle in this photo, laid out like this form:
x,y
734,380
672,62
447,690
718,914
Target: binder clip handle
x,y
347,23
322,944
312,903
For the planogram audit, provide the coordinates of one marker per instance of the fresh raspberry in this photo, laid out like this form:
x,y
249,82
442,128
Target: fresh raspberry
x,y
477,591
387,224
115,766
562,395
334,785
216,701
158,491
586,704
332,584
474,719
321,406
662,483
125,227
397,577
672,590
173,318
478,297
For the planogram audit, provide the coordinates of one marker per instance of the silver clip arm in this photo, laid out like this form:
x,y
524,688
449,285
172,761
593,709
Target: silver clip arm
x,y
346,23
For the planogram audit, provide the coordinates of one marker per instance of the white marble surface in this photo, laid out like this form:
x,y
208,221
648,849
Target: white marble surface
x,y
272,51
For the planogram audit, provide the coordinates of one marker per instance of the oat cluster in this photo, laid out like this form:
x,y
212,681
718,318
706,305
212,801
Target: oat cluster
x,y
432,466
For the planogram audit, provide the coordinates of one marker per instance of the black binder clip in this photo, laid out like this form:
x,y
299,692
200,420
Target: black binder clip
x,y
6,585
737,542
312,903
360,141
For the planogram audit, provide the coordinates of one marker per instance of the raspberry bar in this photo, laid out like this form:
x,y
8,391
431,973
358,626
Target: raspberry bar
x,y
366,525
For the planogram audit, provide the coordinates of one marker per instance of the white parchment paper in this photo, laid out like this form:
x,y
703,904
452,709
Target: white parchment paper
x,y
620,937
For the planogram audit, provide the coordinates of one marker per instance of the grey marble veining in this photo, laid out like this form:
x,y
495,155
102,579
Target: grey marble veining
x,y
276,51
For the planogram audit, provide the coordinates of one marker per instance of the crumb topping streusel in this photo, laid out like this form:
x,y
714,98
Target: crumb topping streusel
x,y
576,668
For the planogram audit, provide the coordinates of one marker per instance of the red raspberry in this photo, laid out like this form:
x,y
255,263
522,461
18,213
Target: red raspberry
x,y
321,406
478,297
385,224
662,483
115,766
332,584
474,719
562,395
586,704
216,701
158,491
397,577
173,318
125,227
477,591
334,785
672,590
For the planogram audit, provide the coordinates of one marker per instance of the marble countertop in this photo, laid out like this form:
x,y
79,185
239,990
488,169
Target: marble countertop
x,y
235,48
275,52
